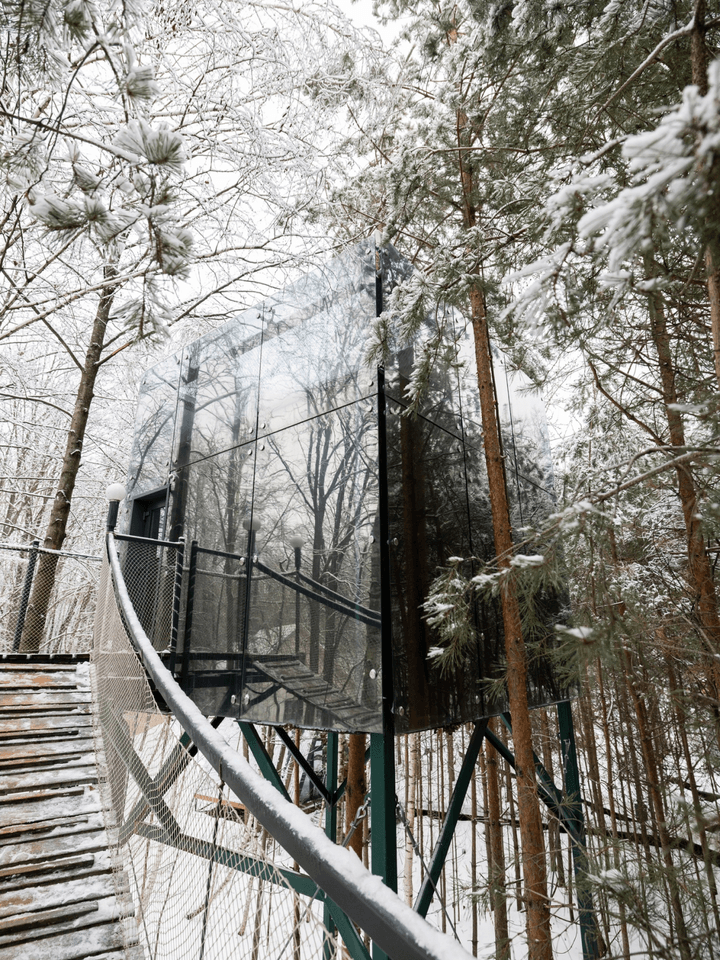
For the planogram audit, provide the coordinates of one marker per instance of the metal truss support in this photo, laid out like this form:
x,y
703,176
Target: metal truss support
x,y
437,861
333,916
573,803
262,757
568,809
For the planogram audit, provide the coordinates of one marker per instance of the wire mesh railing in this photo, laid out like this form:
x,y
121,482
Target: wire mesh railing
x,y
218,863
47,599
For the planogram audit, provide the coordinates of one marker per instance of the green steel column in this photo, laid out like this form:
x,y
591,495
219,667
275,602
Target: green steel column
x,y
588,922
331,775
382,815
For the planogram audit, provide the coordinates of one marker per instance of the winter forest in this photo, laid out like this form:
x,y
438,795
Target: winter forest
x,y
552,171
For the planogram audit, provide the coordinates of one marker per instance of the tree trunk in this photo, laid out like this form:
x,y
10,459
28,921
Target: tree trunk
x,y
653,782
356,788
700,569
699,61
55,535
533,849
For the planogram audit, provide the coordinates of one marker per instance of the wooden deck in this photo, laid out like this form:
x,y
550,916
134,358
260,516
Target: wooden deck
x,y
57,891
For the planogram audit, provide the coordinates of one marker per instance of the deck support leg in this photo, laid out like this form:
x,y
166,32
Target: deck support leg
x,y
382,815
331,774
573,803
437,861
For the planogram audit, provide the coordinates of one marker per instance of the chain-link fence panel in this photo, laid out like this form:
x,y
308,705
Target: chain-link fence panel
x,y
207,881
47,599
151,569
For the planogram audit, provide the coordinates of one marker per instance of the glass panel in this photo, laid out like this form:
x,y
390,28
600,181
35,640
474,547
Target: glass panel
x,y
212,503
154,424
313,355
314,640
430,504
212,500
523,423
210,652
218,390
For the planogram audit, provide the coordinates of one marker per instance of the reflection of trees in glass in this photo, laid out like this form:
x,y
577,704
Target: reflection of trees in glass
x,y
155,423
324,479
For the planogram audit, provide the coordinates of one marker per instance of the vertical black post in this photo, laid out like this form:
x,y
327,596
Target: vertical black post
x,y
246,618
382,752
192,570
296,544
177,592
25,596
113,508
331,773
588,921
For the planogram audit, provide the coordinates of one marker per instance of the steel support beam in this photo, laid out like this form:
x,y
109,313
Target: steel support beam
x,y
331,774
262,757
383,856
437,861
588,922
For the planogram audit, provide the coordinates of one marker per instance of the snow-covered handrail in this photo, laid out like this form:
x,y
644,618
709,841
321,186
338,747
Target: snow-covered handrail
x,y
391,923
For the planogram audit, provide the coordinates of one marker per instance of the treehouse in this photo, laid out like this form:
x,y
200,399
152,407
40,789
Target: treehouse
x,y
285,519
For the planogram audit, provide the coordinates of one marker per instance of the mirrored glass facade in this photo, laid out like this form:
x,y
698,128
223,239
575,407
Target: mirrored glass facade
x,y
280,457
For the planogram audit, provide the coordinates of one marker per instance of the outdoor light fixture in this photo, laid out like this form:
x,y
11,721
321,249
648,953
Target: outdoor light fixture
x,y
114,494
296,542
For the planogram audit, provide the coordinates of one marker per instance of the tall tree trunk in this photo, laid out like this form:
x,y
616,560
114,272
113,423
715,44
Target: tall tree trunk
x,y
533,849
57,525
531,834
700,569
699,62
653,782
356,788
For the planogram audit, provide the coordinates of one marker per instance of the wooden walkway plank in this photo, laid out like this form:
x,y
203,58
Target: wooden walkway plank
x,y
11,752
57,888
51,896
10,782
57,845
32,726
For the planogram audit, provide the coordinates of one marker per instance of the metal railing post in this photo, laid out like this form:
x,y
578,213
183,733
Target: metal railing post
x,y
25,598
192,569
177,592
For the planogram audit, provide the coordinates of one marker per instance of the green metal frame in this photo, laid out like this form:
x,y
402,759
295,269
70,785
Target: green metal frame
x,y
573,805
566,807
331,775
262,757
437,861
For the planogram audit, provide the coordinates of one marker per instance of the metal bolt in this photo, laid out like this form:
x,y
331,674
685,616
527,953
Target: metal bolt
x,y
401,711
233,699
373,674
